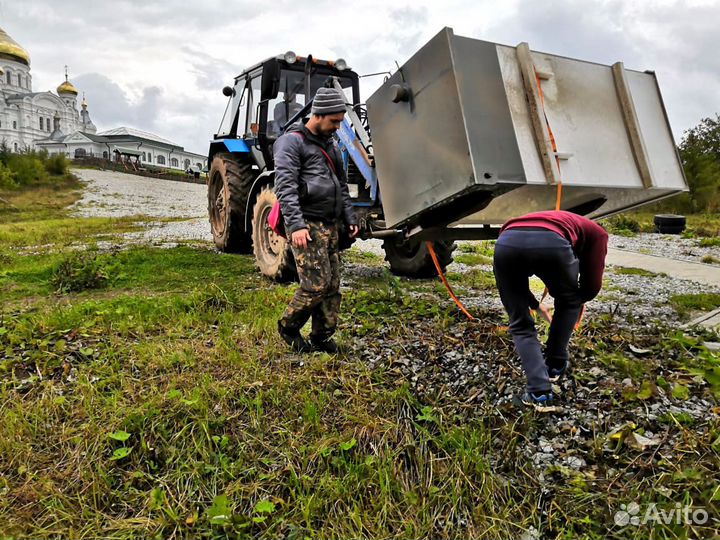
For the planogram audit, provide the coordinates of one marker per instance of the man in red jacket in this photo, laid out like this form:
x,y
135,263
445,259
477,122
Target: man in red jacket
x,y
567,252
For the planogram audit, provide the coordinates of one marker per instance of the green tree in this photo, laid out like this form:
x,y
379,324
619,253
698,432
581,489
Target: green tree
x,y
700,155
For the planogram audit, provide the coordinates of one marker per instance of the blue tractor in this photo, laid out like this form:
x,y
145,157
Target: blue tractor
x,y
264,100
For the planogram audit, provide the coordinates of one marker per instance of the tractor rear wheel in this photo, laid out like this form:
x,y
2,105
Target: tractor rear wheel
x,y
229,184
272,252
412,258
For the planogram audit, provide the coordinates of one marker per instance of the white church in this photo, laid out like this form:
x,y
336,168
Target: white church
x,y
43,120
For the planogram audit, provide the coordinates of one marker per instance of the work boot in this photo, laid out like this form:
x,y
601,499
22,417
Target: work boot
x,y
293,338
327,345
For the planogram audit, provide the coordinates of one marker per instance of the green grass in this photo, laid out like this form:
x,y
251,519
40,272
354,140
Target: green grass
x,y
484,247
354,255
473,259
163,404
476,279
629,270
624,365
685,304
49,199
709,242
63,231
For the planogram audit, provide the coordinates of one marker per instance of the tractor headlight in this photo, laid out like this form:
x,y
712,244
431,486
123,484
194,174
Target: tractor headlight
x,y
340,64
290,57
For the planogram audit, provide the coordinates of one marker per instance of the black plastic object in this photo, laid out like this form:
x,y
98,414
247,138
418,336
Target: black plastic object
x,y
669,223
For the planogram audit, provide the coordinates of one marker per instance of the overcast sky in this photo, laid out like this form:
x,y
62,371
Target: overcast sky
x,y
160,66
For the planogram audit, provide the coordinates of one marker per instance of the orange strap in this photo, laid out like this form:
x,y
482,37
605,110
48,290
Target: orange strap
x,y
553,143
459,304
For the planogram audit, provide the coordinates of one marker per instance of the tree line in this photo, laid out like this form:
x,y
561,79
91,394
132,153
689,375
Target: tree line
x,y
700,156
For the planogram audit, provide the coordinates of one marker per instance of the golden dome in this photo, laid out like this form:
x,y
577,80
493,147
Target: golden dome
x,y
11,50
67,88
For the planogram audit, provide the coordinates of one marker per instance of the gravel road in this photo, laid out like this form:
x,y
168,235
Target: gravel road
x,y
112,194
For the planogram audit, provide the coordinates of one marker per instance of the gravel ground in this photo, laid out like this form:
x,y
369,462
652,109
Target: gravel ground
x,y
667,245
112,194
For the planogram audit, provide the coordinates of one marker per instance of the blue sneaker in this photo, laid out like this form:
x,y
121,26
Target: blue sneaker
x,y
555,374
537,399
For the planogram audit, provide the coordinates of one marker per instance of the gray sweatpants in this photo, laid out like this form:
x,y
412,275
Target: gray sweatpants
x,y
519,254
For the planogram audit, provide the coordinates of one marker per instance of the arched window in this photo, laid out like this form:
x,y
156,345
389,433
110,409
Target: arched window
x,y
14,124
15,146
47,123
41,123
9,77
161,160
198,165
149,157
80,153
186,164
105,154
19,80
174,162
143,158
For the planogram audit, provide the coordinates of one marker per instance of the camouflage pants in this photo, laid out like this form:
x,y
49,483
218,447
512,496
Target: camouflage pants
x,y
318,267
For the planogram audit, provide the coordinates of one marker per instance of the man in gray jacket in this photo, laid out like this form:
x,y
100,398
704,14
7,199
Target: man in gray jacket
x,y
311,185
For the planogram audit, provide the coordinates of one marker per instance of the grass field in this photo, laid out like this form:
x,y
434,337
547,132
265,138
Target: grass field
x,y
144,393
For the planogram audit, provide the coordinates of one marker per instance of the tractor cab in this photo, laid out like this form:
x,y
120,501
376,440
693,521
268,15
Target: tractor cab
x,y
269,95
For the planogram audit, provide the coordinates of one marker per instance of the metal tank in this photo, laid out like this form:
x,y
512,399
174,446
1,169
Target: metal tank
x,y
470,132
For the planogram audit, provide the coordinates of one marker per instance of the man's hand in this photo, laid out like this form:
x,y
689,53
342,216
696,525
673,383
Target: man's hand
x,y
545,313
354,230
300,238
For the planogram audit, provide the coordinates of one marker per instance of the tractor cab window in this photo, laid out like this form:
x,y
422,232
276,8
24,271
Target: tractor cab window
x,y
253,100
235,109
291,97
242,108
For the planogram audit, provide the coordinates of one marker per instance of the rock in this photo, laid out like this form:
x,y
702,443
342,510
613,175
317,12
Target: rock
x,y
596,372
545,446
541,458
639,442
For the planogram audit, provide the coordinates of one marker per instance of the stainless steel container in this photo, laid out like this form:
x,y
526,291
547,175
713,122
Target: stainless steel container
x,y
463,133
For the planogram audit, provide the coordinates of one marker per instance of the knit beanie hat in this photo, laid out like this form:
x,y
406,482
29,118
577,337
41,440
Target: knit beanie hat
x,y
328,101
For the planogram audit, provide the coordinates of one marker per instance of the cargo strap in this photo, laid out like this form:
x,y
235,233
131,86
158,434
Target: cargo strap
x,y
434,258
558,198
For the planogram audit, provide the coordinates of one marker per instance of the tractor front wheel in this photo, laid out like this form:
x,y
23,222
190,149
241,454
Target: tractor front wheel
x,y
272,252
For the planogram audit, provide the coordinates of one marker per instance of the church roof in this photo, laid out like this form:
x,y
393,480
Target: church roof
x,y
12,98
131,132
93,137
9,48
